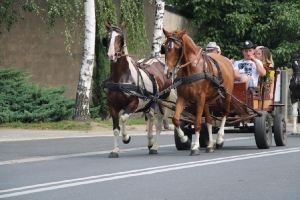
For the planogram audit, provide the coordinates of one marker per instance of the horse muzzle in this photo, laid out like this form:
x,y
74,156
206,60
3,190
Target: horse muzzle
x,y
112,58
169,74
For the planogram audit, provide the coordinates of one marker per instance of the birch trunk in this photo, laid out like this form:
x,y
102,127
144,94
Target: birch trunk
x,y
81,108
158,25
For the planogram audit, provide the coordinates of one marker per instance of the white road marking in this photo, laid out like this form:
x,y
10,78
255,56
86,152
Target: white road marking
x,y
36,159
134,173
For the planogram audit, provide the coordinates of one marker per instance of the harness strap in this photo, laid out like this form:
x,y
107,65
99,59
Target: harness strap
x,y
128,88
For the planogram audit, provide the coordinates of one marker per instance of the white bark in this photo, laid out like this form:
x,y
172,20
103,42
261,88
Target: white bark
x,y
158,25
81,108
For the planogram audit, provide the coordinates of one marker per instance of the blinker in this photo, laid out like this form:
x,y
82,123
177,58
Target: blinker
x,y
170,45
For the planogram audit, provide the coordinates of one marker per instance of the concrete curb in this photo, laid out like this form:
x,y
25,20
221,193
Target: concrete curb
x,y
9,135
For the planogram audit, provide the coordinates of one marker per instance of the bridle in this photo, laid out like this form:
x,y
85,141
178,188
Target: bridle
x,y
296,70
117,29
169,42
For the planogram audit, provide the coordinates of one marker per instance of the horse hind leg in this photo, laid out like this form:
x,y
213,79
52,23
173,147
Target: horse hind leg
x,y
155,146
150,130
124,117
294,113
208,120
221,133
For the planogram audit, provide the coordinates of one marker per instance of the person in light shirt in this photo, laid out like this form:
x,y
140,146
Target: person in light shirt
x,y
249,68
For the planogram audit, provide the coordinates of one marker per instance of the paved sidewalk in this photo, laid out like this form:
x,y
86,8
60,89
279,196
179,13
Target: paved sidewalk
x,y
10,134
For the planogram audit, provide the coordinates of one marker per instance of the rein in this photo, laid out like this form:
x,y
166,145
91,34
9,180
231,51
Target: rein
x,y
182,66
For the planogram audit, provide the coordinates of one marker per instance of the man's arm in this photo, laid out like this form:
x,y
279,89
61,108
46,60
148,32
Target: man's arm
x,y
260,69
237,75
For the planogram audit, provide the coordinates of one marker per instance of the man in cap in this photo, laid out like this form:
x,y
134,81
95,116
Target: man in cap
x,y
248,69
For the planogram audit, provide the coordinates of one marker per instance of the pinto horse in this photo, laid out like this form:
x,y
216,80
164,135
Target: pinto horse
x,y
295,89
204,77
129,86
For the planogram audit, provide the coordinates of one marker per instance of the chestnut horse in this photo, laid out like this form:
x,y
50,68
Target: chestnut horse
x,y
129,87
295,89
205,77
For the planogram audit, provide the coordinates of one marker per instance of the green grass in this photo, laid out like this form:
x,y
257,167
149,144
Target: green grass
x,y
71,125
62,125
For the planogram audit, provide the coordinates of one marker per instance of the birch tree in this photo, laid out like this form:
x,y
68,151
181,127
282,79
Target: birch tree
x,y
158,25
81,108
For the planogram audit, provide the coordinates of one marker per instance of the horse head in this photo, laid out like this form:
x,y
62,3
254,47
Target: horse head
x,y
173,49
114,41
296,67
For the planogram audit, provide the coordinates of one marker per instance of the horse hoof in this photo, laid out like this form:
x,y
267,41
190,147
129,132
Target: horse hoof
x,y
219,146
294,132
126,142
209,150
113,155
151,151
195,152
149,147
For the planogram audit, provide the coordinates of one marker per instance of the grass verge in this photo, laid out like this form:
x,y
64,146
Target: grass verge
x,y
69,125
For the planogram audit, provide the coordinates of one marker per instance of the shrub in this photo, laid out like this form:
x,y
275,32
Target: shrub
x,y
25,102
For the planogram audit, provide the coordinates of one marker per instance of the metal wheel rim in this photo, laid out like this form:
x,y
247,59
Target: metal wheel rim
x,y
283,129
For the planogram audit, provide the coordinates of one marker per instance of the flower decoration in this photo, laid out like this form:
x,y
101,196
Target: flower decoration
x,y
269,76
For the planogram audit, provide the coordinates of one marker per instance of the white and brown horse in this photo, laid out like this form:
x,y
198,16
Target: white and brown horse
x,y
295,89
129,87
204,77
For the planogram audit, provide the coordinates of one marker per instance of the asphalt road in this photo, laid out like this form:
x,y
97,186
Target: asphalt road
x,y
78,168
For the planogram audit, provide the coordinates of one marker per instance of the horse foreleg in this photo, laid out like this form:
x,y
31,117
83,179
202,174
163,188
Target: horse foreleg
x,y
124,117
178,109
116,132
294,113
197,124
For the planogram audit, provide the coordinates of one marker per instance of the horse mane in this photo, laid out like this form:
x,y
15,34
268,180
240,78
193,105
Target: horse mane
x,y
188,39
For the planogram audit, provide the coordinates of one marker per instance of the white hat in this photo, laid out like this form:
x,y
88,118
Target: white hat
x,y
211,45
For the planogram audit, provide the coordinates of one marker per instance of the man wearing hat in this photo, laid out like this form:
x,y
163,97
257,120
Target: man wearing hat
x,y
212,47
248,69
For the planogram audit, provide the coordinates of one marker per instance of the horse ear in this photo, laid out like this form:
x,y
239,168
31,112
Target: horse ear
x,y
104,42
162,49
181,33
123,24
166,32
107,25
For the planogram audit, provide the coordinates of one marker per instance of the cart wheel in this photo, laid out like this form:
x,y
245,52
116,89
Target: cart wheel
x,y
263,131
279,130
179,145
204,138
